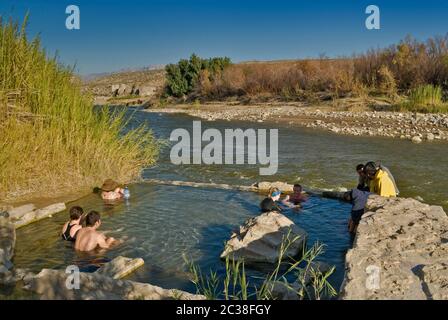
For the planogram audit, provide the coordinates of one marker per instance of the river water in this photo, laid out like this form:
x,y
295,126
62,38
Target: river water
x,y
162,223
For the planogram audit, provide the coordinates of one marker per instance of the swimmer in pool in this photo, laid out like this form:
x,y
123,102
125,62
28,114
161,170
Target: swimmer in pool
x,y
89,238
297,197
71,227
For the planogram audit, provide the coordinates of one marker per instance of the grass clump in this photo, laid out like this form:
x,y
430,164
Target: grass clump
x,y
309,282
52,140
425,99
428,95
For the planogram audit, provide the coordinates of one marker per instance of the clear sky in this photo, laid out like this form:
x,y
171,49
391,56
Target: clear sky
x,y
115,34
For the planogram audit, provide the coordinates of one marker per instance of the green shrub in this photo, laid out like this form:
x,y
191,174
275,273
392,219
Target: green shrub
x,y
183,77
51,139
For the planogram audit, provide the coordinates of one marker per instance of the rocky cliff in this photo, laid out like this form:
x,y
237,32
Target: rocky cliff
x,y
400,252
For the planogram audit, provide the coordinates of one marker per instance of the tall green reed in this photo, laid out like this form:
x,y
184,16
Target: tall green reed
x,y
51,139
310,282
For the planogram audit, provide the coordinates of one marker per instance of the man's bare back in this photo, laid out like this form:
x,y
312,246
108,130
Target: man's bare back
x,y
89,239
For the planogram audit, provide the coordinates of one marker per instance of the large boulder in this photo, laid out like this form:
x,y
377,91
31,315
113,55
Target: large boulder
x,y
260,239
400,252
52,285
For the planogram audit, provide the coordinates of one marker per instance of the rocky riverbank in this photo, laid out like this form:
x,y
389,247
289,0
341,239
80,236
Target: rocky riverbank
x,y
411,126
400,252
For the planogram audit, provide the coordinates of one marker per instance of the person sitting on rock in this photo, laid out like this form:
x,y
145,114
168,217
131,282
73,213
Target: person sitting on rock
x,y
111,190
363,181
89,238
358,199
381,180
297,197
71,227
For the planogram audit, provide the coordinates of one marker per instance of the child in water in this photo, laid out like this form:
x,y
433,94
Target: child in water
x,y
297,197
273,201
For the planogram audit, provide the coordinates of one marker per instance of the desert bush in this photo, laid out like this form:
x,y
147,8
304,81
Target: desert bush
x,y
182,78
386,83
390,72
51,138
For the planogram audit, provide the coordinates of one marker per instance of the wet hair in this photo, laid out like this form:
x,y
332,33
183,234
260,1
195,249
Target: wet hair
x,y
267,205
359,167
92,218
75,212
298,186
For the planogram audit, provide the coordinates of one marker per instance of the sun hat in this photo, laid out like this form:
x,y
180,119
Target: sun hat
x,y
109,185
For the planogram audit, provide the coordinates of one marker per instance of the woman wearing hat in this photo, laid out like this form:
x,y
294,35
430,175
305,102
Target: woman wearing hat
x,y
111,190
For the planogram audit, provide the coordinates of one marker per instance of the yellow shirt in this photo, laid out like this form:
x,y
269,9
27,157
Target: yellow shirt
x,y
382,185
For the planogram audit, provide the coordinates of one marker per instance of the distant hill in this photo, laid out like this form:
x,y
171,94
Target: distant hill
x,y
100,84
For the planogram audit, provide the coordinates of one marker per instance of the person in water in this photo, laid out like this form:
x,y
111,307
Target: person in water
x,y
358,199
268,205
111,190
274,197
89,238
363,181
381,180
297,197
71,227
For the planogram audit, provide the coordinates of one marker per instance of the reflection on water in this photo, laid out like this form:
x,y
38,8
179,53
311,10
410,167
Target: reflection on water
x,y
161,223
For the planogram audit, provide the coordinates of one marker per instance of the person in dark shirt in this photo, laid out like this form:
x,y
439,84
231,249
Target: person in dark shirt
x,y
268,205
358,199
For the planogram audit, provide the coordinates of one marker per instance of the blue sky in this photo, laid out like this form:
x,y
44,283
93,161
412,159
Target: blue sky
x,y
117,34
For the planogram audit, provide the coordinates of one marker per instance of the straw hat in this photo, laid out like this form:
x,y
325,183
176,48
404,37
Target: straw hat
x,y
109,185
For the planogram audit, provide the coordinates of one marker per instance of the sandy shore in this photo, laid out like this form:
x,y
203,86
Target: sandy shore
x,y
415,127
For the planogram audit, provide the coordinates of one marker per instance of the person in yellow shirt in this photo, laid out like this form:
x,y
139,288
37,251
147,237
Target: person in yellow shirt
x,y
380,182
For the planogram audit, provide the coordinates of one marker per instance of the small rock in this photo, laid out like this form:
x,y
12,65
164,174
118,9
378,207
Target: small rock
x,y
120,267
416,139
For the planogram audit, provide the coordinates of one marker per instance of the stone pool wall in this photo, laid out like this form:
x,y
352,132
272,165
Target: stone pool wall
x,y
400,252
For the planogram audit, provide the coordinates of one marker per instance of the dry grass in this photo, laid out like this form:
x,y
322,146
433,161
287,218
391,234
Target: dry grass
x,y
51,138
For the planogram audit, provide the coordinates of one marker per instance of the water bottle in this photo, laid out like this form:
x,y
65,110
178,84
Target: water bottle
x,y
126,193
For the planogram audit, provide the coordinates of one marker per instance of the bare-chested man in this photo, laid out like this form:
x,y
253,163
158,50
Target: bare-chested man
x,y
88,238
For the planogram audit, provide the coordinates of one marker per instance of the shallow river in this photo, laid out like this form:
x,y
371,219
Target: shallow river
x,y
162,223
